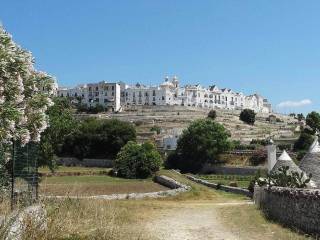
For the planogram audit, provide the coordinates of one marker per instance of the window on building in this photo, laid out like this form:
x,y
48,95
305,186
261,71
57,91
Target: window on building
x,y
112,88
97,88
112,94
162,97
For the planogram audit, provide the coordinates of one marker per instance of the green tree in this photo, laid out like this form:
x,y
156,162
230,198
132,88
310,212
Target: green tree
x,y
248,116
300,117
137,160
98,138
61,124
200,143
304,142
212,114
313,121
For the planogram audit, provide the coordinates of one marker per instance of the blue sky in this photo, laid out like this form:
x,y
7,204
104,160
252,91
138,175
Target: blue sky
x,y
268,46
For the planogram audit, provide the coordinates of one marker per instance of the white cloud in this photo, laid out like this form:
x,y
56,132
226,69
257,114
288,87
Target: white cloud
x,y
294,104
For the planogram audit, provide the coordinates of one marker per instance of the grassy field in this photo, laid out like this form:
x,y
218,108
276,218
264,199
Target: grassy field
x,y
64,169
241,181
95,185
199,214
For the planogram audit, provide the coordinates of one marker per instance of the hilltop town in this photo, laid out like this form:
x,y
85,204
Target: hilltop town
x,y
120,96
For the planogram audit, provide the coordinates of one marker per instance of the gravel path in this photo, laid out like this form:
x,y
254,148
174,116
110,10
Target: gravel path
x,y
197,221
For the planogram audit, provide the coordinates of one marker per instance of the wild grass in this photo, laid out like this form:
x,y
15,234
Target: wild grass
x,y
64,169
95,185
241,181
248,222
84,219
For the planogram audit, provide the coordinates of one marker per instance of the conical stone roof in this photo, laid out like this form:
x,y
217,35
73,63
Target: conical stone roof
x,y
285,161
311,162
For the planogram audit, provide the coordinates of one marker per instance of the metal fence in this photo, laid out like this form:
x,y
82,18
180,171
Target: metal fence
x,y
19,172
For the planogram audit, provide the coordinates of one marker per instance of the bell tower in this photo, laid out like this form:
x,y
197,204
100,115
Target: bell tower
x,y
175,81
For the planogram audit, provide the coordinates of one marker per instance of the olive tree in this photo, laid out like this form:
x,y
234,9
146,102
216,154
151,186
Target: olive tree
x,y
200,143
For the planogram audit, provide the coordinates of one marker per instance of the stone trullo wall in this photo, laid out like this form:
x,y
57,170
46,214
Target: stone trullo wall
x,y
296,208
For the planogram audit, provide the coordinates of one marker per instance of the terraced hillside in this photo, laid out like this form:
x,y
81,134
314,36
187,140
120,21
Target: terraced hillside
x,y
173,119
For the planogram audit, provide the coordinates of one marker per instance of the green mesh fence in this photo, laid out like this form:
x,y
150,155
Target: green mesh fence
x,y
19,171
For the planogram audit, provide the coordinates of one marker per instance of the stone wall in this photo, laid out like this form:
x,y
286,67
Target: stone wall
x,y
236,190
175,189
209,169
86,162
296,208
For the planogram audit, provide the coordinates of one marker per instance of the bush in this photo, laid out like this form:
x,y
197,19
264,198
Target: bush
x,y
301,154
200,143
156,129
97,138
286,147
304,142
248,116
259,157
313,121
212,114
137,161
262,142
283,177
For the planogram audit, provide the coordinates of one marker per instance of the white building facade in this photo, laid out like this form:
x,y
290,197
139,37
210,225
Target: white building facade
x,y
170,93
117,96
103,93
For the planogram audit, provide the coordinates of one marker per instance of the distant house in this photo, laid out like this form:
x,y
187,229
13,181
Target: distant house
x,y
170,142
272,118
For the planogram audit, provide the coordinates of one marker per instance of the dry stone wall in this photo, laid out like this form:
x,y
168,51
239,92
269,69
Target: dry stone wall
x,y
236,190
175,189
296,208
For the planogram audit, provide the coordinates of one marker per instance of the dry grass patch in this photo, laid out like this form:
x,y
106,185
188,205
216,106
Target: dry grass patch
x,y
85,219
95,185
249,223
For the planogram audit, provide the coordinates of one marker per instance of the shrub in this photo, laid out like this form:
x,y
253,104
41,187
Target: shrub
x,y
138,123
212,114
313,121
301,154
259,157
156,129
262,142
285,178
200,143
98,138
300,117
248,116
137,161
286,147
304,142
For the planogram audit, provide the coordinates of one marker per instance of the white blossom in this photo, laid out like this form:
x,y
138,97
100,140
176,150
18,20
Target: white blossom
x,y
22,103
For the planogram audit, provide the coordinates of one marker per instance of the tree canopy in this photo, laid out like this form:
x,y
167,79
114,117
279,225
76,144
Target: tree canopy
x,y
137,160
248,116
97,138
61,124
313,121
200,143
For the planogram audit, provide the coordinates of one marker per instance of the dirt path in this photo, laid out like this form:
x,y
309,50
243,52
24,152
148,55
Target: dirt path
x,y
195,221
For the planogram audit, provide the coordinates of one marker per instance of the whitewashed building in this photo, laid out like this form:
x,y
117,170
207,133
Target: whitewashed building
x,y
170,93
115,96
103,93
